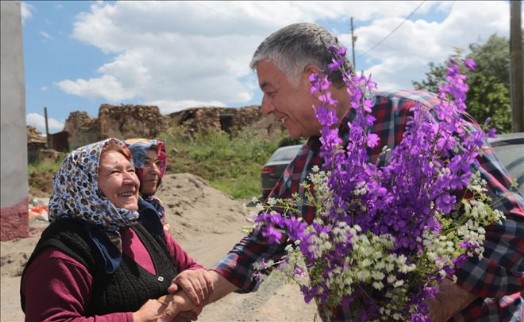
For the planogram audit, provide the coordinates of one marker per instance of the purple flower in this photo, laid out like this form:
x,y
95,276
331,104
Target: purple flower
x,y
410,192
273,235
372,140
445,202
470,63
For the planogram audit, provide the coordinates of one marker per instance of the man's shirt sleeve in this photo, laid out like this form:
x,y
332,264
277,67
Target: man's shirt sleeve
x,y
237,265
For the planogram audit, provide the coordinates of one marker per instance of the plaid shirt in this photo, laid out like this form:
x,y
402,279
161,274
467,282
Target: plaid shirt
x,y
497,278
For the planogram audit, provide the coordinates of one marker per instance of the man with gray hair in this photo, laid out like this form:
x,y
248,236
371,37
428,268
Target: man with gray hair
x,y
487,289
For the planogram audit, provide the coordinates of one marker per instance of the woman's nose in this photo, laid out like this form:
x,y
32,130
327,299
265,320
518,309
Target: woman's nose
x,y
129,177
155,168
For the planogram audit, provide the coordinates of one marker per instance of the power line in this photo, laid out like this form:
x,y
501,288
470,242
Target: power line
x,y
396,28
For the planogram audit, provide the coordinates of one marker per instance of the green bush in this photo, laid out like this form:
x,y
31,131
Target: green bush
x,y
285,141
44,166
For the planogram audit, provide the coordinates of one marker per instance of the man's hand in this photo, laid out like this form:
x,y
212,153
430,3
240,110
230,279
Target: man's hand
x,y
195,283
450,300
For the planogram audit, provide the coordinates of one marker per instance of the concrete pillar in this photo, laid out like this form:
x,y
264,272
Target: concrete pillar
x,y
14,180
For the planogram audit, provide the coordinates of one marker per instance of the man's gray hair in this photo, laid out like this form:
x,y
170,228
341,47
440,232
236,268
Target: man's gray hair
x,y
295,46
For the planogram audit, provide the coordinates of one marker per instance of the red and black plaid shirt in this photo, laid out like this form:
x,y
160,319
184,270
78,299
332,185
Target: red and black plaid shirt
x,y
497,278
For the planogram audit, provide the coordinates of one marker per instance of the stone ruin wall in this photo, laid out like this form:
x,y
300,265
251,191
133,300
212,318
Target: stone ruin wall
x,y
81,129
207,119
128,121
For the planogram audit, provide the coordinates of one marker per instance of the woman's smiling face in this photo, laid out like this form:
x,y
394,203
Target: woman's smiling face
x,y
150,174
118,181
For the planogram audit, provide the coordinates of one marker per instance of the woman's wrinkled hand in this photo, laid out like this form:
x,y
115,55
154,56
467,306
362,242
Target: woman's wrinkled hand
x,y
187,316
174,304
151,311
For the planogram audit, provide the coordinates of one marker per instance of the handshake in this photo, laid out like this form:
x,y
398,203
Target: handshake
x,y
189,292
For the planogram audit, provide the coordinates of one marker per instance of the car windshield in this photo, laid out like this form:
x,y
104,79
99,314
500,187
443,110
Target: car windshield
x,y
284,154
510,150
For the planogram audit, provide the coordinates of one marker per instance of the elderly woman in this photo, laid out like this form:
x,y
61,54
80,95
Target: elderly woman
x,y
150,160
99,259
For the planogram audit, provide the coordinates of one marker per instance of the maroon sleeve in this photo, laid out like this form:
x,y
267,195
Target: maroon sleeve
x,y
57,287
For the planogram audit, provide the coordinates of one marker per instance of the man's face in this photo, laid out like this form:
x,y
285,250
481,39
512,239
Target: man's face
x,y
150,174
290,104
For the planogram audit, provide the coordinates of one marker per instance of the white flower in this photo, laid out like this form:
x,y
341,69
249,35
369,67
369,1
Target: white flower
x,y
377,275
378,285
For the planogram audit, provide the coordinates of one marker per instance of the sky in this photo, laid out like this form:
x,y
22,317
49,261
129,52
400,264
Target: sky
x,y
183,54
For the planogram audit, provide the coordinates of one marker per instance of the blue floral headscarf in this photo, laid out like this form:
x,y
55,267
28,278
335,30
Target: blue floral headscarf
x,y
76,195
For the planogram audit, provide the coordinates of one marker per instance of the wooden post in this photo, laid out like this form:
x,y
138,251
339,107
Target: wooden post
x,y
47,138
516,83
353,39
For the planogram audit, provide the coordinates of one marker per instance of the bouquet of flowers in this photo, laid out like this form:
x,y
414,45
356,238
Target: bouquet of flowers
x,y
386,234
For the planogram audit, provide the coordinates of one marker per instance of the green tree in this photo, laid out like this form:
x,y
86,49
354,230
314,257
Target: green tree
x,y
434,78
488,96
492,58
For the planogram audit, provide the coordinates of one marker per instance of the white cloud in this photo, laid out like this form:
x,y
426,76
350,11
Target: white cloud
x,y
107,86
45,35
190,52
38,121
404,56
26,11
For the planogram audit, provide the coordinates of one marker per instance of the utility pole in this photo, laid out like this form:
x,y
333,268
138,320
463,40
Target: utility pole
x,y
516,82
353,39
47,137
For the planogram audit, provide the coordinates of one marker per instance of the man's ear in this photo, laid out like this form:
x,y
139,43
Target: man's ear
x,y
308,71
311,69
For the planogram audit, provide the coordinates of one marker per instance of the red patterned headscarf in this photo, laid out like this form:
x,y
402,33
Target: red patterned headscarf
x,y
139,148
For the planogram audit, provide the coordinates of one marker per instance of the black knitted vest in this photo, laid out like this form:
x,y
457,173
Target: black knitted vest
x,y
130,286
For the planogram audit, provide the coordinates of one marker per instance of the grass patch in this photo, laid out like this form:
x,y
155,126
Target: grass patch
x,y
230,163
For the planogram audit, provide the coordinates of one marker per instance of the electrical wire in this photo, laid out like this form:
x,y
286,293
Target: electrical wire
x,y
396,28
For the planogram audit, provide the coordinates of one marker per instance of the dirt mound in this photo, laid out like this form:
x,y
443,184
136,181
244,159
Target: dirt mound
x,y
41,184
193,207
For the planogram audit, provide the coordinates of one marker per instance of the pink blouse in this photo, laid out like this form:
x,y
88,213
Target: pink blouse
x,y
57,287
